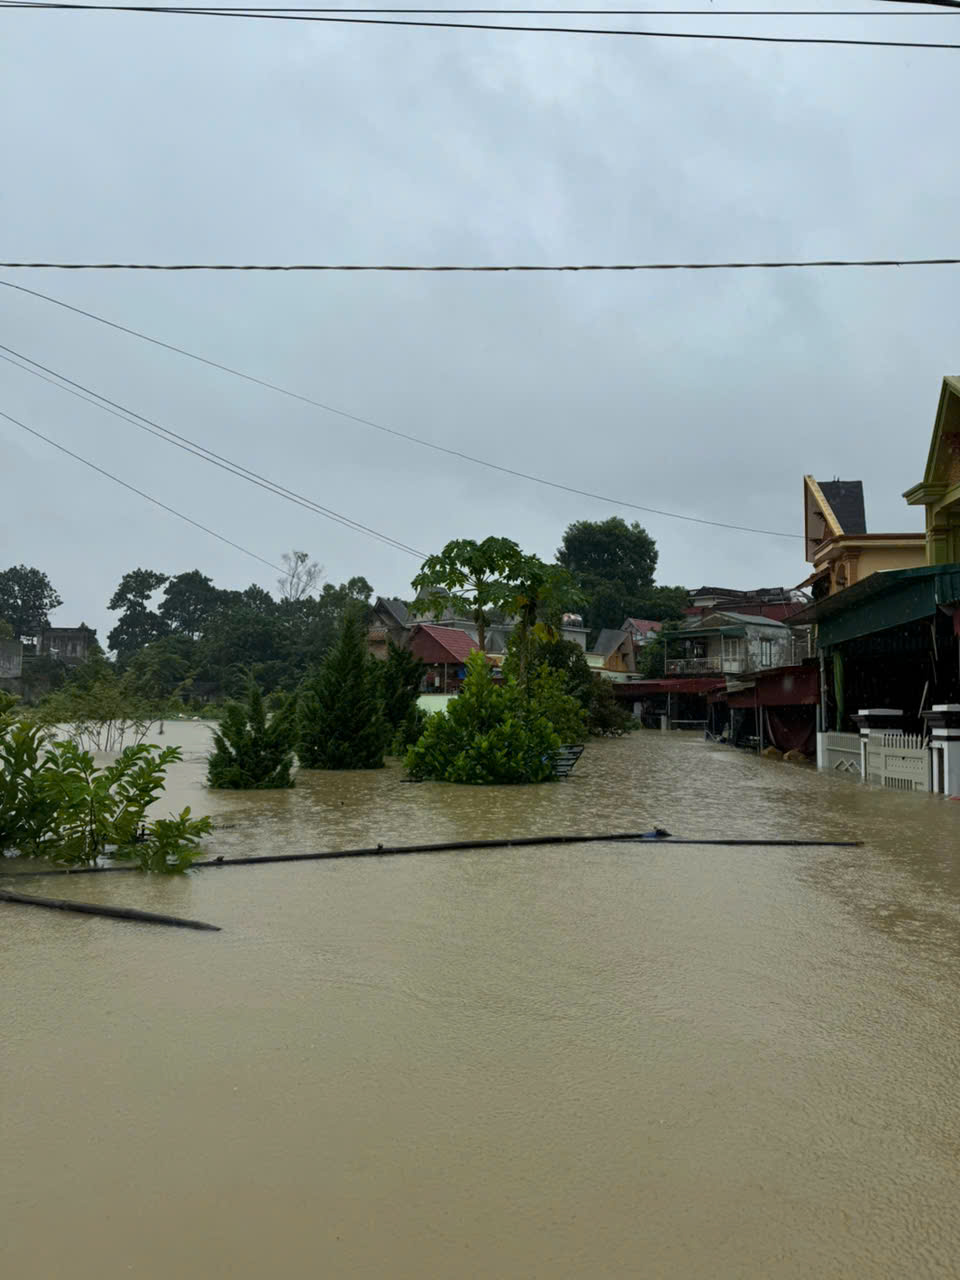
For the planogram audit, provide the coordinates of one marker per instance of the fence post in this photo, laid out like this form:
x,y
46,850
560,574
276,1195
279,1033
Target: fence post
x,y
943,721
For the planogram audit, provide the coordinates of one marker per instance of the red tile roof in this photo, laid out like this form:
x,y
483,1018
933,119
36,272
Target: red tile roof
x,y
643,625
454,644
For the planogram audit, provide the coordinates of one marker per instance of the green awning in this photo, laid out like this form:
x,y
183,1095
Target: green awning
x,y
881,601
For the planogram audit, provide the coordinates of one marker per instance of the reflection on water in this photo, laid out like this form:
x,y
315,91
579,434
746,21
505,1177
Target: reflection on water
x,y
593,1061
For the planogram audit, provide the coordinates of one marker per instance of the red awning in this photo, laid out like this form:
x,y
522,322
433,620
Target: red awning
x,y
785,687
683,684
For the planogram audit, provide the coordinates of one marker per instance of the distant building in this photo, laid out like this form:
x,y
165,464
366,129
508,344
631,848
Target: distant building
x,y
390,622
763,602
724,643
613,652
641,630
444,651
70,645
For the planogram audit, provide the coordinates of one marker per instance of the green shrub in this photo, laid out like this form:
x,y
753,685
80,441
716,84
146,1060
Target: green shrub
x,y
57,803
28,816
488,734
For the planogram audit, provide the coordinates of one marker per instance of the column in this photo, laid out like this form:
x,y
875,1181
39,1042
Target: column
x,y
943,722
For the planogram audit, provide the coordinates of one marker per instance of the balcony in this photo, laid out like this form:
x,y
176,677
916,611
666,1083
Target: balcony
x,y
703,666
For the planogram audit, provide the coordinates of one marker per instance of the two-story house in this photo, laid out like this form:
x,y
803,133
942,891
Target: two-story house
x,y
727,644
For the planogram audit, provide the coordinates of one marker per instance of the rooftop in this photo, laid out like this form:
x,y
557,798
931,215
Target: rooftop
x,y
846,503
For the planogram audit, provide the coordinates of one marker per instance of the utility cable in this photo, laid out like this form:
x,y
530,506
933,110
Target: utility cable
x,y
943,10
516,27
491,268
133,489
191,446
391,431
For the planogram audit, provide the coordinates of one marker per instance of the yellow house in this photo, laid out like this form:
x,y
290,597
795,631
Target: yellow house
x,y
939,491
838,545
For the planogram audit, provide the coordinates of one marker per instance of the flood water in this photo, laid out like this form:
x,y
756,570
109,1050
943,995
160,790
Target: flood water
x,y
585,1061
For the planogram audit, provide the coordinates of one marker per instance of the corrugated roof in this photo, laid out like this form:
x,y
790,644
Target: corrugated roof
x,y
755,619
458,644
846,503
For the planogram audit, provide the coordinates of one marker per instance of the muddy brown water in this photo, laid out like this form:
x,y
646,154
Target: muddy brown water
x,y
586,1061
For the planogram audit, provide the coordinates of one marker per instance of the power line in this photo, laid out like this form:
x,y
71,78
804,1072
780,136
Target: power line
x,y
942,10
491,268
392,431
133,489
191,446
515,27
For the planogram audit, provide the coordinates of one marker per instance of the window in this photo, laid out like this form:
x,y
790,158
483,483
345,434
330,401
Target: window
x,y
766,653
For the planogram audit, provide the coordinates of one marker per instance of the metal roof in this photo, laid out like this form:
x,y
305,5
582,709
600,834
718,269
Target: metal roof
x,y
890,598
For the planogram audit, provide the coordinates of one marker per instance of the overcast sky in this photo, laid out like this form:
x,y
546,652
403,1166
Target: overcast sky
x,y
192,139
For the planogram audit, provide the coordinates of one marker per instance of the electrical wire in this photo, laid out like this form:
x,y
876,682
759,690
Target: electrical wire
x,y
133,489
943,10
516,27
392,431
191,446
493,268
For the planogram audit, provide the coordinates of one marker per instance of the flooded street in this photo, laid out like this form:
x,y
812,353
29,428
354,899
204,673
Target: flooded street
x,y
585,1061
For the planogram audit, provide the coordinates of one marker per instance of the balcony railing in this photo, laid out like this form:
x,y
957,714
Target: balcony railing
x,y
703,666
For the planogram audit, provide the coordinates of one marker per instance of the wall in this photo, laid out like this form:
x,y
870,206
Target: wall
x,y
11,659
877,559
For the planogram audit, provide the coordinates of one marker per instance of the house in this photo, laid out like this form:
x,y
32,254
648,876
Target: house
x,y
393,622
939,490
70,645
444,651
765,602
613,653
641,630
727,643
837,543
390,622
889,641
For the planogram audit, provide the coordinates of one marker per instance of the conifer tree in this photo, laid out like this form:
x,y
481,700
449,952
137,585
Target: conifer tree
x,y
250,751
341,722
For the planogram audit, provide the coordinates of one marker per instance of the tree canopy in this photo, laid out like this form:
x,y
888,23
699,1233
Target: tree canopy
x,y
613,564
471,578
27,597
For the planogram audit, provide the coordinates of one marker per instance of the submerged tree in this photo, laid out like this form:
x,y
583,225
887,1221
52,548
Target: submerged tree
x,y
251,751
400,679
341,723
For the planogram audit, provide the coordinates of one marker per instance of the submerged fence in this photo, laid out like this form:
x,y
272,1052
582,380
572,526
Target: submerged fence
x,y
897,761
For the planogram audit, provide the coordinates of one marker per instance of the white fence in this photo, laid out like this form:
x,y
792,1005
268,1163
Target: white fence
x,y
900,761
841,753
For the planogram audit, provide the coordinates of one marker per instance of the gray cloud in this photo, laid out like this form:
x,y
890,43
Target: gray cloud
x,y
183,139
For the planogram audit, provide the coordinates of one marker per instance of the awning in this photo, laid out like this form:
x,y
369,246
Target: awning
x,y
782,687
814,577
680,684
881,601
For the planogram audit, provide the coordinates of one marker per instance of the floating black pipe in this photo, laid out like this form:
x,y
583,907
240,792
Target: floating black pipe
x,y
96,909
657,836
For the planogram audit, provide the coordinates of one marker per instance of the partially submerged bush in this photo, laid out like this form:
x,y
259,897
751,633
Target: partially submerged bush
x,y
252,752
57,803
488,734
